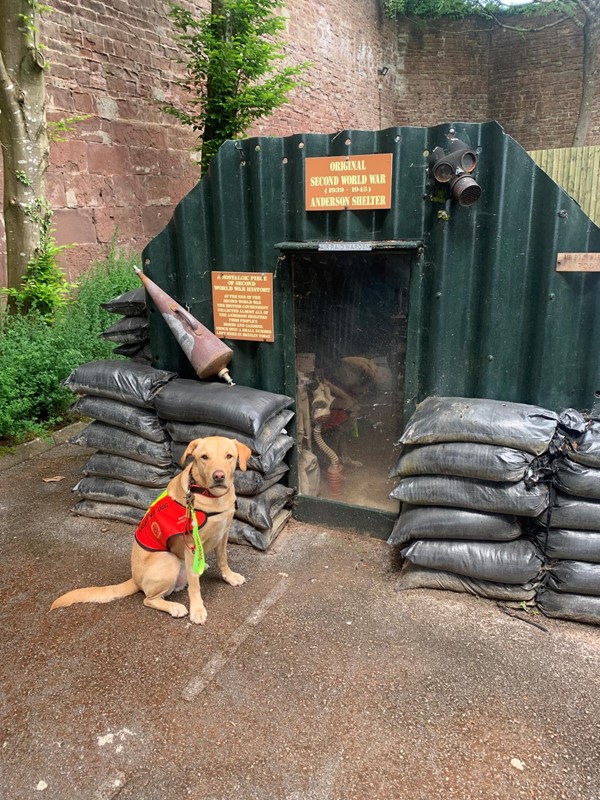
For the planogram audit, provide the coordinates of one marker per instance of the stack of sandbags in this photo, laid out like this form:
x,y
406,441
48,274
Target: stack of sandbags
x,y
131,332
470,474
132,464
570,533
195,409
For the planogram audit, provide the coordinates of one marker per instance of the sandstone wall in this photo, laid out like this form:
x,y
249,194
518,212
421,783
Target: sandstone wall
x,y
126,167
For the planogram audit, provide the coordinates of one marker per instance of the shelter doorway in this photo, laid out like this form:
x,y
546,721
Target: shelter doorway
x,y
350,327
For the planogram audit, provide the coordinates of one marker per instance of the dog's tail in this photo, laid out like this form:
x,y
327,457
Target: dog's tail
x,y
97,594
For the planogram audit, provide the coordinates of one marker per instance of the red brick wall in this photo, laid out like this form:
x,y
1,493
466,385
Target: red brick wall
x,y
125,167
430,77
535,85
128,165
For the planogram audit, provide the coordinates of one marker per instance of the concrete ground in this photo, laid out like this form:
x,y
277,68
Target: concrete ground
x,y
315,680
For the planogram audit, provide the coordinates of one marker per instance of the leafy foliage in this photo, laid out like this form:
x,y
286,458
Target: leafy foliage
x,y
230,59
429,8
59,130
44,288
79,325
36,354
457,9
32,364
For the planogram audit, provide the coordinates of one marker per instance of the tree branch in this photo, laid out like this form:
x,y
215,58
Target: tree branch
x,y
586,7
486,12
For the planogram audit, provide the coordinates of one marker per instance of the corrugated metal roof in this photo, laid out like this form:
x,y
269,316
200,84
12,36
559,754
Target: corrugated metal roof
x,y
489,315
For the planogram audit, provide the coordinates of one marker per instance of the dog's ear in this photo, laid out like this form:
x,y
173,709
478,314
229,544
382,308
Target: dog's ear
x,y
244,454
189,451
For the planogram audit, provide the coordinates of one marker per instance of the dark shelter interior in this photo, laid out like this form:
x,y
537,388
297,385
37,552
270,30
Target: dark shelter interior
x,y
350,321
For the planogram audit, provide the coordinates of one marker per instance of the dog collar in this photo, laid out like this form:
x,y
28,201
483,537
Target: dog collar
x,y
197,489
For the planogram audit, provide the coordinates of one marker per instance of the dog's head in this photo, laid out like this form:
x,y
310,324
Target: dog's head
x,y
215,462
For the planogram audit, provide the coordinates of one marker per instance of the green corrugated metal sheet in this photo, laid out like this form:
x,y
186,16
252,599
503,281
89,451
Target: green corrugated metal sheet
x,y
489,316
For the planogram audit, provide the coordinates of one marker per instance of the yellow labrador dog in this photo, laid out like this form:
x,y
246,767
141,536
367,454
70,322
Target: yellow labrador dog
x,y
162,558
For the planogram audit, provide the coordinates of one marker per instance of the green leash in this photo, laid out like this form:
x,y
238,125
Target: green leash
x,y
199,559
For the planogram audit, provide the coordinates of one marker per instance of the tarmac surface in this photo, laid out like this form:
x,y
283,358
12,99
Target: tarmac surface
x,y
315,680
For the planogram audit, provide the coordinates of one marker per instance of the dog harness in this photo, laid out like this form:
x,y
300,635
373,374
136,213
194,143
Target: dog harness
x,y
165,518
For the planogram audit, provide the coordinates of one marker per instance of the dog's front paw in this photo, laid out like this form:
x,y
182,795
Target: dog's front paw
x,y
177,610
198,615
233,578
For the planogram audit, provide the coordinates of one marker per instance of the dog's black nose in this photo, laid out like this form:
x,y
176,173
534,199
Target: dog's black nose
x,y
218,476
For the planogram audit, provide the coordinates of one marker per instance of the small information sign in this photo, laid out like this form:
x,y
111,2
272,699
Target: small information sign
x,y
578,262
243,305
338,247
357,183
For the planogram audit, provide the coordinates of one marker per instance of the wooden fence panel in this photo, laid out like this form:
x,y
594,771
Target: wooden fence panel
x,y
577,170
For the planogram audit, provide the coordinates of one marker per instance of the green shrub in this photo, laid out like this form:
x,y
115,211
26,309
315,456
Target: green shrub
x,y
79,325
44,287
31,368
36,355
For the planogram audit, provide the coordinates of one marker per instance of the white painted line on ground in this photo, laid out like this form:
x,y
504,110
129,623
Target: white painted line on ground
x,y
238,637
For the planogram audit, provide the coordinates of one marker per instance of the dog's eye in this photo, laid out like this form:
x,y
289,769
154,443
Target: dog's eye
x,y
204,457
229,456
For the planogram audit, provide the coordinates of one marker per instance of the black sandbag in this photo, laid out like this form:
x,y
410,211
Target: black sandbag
x,y
239,408
129,303
107,465
243,533
572,513
577,479
145,356
272,456
572,422
250,482
439,522
142,421
115,511
586,449
187,431
498,498
515,562
260,510
467,419
574,577
464,460
415,577
126,381
569,544
130,350
110,490
128,330
574,607
265,462
110,439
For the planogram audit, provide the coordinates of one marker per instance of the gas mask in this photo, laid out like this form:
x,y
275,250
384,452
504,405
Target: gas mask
x,y
452,166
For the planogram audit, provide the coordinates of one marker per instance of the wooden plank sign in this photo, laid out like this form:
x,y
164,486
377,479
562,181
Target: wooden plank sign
x,y
357,183
578,262
243,305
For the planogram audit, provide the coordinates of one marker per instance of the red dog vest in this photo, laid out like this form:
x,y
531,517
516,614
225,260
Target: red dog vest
x,y
165,518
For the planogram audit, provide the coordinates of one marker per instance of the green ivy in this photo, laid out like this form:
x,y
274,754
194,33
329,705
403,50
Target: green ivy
x,y
457,9
23,178
59,130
